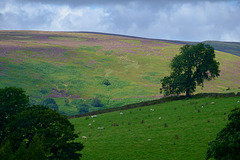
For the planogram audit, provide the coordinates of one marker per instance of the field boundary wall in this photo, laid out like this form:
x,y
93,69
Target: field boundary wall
x,y
153,102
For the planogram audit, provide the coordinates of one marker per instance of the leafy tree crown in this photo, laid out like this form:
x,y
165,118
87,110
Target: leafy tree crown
x,y
190,68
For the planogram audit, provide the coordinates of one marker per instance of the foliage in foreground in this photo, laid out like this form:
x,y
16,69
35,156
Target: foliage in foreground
x,y
34,151
31,130
12,101
195,64
226,146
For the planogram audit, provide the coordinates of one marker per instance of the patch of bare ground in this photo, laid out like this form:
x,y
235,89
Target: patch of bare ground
x,y
55,93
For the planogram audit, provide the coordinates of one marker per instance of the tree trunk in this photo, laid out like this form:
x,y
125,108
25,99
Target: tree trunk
x,y
188,92
189,80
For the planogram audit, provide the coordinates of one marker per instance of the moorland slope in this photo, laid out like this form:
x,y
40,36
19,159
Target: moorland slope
x,y
71,68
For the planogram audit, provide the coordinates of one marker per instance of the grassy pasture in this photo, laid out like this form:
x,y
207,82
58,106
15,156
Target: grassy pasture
x,y
77,63
178,130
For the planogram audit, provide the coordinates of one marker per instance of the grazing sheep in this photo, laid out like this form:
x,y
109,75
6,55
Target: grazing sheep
x,y
237,101
84,137
89,124
213,103
160,118
149,139
202,106
152,109
121,113
94,116
101,128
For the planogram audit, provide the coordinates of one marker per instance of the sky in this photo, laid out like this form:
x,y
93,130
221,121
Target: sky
x,y
186,20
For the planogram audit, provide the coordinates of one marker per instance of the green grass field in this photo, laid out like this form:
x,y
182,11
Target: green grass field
x,y
46,64
179,130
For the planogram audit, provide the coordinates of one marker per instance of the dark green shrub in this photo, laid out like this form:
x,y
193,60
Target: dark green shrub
x,y
83,110
106,82
51,103
96,102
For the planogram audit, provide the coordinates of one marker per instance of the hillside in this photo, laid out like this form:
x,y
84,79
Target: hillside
x,y
177,130
228,47
71,68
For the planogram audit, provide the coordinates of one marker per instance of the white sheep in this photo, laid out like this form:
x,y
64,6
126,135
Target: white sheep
x,y
237,101
149,139
94,116
160,118
89,124
152,109
121,113
84,137
202,106
213,103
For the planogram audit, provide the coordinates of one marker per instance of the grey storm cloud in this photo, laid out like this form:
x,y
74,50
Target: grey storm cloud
x,y
102,2
191,20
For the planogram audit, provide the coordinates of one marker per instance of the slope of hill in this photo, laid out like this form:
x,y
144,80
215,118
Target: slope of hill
x,y
71,68
177,130
228,47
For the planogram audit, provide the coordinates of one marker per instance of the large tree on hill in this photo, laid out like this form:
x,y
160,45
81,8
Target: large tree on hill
x,y
190,68
226,146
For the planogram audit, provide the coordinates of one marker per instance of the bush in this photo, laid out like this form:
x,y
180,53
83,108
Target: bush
x,y
83,110
96,102
106,82
51,103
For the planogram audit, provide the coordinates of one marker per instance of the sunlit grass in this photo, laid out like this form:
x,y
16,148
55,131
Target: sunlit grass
x,y
178,130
